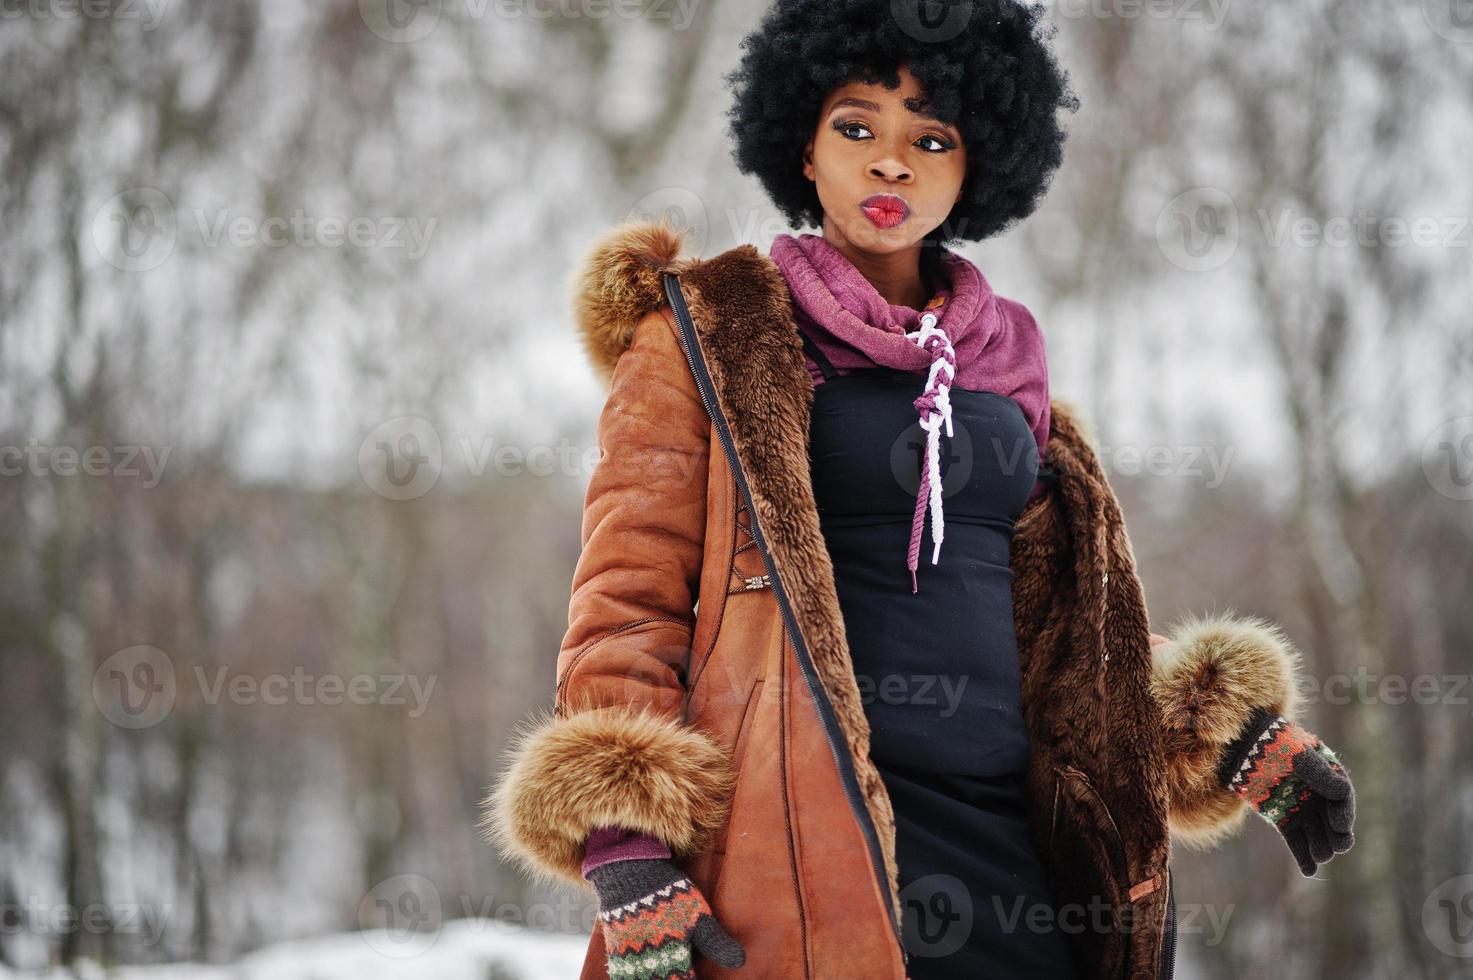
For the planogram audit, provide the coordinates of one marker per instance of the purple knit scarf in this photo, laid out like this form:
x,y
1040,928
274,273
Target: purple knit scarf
x,y
974,340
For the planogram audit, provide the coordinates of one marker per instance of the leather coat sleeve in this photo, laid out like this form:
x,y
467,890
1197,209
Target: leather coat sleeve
x,y
616,750
644,524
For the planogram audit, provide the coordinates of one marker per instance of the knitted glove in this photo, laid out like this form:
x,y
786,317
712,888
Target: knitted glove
x,y
1294,781
652,916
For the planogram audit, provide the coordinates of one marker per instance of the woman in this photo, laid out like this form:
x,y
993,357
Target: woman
x,y
775,745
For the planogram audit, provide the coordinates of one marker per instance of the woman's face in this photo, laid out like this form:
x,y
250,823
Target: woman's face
x,y
887,174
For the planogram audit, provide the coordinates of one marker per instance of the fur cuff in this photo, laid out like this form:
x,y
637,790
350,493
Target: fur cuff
x,y
612,766
1208,678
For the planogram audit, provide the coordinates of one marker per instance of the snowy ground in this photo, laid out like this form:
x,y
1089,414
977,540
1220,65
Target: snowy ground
x,y
462,949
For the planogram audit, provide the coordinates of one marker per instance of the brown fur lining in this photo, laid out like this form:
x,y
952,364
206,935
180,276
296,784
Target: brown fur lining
x,y
605,767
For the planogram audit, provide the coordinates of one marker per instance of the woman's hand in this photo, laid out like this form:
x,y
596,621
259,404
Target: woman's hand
x,y
653,916
1294,781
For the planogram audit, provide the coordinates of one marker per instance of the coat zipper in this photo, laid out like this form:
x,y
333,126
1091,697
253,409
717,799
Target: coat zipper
x,y
1168,966
840,749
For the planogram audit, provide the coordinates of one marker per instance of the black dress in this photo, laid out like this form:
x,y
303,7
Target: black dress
x,y
938,669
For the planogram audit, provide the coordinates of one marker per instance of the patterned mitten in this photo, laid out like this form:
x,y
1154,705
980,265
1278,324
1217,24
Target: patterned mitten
x,y
1294,781
652,917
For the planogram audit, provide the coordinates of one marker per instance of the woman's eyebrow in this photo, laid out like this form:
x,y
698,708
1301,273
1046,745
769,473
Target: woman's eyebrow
x,y
859,103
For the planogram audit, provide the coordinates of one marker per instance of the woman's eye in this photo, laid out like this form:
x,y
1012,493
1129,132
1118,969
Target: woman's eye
x,y
848,128
940,144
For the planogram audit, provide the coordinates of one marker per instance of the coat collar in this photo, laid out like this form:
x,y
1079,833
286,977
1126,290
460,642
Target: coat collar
x,y
618,282
742,312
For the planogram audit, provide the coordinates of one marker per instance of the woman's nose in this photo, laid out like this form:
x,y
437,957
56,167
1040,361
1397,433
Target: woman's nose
x,y
890,169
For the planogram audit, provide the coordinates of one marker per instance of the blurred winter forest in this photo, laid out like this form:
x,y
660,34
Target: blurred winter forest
x,y
295,431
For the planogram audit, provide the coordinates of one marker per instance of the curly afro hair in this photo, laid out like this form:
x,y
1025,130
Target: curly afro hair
x,y
985,65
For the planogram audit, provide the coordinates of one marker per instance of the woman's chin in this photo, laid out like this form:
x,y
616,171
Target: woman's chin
x,y
865,235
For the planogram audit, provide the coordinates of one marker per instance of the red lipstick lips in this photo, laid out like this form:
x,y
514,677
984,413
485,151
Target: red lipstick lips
x,y
885,210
